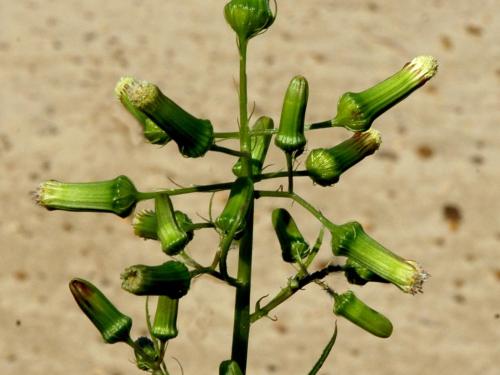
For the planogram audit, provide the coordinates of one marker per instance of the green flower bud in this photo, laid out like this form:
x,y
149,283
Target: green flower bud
x,y
248,18
152,132
146,225
165,323
146,359
356,274
325,165
357,111
172,237
259,144
170,279
193,136
350,240
229,368
111,323
118,196
290,137
292,243
237,205
356,311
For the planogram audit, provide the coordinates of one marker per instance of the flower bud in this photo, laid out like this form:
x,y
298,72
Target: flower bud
x,y
172,237
146,357
152,132
292,243
356,311
193,136
237,205
350,240
170,279
259,145
290,137
325,165
165,323
357,111
146,225
229,367
118,196
356,274
111,323
248,18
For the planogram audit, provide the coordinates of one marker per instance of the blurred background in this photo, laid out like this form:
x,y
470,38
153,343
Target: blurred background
x,y
430,193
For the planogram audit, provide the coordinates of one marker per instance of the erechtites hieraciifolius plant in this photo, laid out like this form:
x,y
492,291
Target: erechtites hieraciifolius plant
x,y
352,251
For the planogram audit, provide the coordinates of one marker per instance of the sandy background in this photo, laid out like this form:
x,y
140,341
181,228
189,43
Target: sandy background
x,y
430,194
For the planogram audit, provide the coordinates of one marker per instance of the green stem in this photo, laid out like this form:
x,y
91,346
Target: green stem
x,y
192,189
227,151
241,325
241,328
309,207
211,188
294,285
289,167
236,135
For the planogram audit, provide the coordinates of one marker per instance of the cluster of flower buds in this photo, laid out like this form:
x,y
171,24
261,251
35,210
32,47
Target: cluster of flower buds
x,y
290,137
118,196
170,279
148,104
357,111
350,240
293,245
113,325
248,18
356,311
232,217
325,165
145,353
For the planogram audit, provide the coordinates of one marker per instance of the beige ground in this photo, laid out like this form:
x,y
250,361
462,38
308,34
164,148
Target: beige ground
x,y
431,194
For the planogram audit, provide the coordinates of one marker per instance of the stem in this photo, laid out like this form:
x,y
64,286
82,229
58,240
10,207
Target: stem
x,y
241,325
227,151
211,188
236,135
267,176
309,207
140,196
289,167
241,328
294,285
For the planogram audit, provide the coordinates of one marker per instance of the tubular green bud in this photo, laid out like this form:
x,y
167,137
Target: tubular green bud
x,y
356,274
152,132
248,18
172,237
165,323
292,243
290,137
325,165
229,367
193,136
356,311
237,205
350,240
146,225
118,196
111,323
357,111
170,279
146,359
259,145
